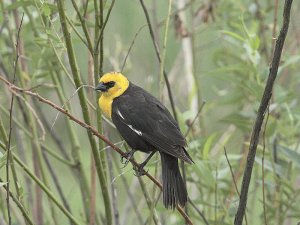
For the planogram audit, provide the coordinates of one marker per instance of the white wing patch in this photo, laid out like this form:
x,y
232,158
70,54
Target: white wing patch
x,y
118,111
138,132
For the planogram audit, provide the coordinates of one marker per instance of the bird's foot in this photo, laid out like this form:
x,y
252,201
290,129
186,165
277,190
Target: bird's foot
x,y
128,156
139,170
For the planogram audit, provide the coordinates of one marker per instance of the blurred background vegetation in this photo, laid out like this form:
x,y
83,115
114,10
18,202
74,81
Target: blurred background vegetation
x,y
213,51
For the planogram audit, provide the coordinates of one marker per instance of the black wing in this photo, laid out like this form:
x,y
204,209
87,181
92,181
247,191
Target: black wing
x,y
151,121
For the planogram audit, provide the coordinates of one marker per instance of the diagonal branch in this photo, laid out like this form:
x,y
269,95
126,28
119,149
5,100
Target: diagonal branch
x,y
261,113
91,130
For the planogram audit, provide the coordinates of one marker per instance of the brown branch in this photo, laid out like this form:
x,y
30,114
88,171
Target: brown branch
x,y
261,113
93,131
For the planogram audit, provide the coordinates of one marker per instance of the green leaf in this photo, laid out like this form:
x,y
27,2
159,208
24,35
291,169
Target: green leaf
x,y
234,35
254,42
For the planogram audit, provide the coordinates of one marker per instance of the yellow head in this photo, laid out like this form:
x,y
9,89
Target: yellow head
x,y
111,85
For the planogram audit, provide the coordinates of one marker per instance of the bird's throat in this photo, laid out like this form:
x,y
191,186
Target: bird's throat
x,y
105,104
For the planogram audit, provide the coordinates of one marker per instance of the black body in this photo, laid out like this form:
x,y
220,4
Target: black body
x,y
147,125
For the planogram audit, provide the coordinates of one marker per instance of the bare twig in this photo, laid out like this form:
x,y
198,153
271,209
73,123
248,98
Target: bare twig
x,y
8,161
159,58
104,24
194,120
233,178
92,205
93,131
56,183
261,113
131,45
84,27
199,212
19,204
164,47
114,194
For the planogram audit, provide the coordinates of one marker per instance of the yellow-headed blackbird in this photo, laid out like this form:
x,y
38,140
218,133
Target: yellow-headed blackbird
x,y
146,125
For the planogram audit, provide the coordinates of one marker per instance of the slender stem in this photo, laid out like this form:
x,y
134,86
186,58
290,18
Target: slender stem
x,y
79,172
84,27
84,108
98,70
9,158
46,190
234,180
164,47
103,25
19,204
261,113
159,58
78,33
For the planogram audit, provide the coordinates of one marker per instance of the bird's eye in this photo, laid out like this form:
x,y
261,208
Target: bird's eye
x,y
110,84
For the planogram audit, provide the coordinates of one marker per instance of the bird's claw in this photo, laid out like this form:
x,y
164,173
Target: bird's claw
x,y
139,170
127,156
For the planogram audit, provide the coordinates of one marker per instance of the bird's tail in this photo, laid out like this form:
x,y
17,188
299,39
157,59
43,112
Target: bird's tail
x,y
174,189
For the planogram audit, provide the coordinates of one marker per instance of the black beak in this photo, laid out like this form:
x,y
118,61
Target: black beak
x,y
101,87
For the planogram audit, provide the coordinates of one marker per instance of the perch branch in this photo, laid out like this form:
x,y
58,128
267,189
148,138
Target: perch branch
x,y
93,131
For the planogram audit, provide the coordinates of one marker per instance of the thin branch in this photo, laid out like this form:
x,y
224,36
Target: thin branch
x,y
19,204
114,194
194,120
131,45
164,47
84,27
231,171
261,113
9,158
199,212
104,24
56,182
233,178
91,130
159,59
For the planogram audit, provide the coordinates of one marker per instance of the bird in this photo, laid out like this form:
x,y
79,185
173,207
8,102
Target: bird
x,y
146,125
